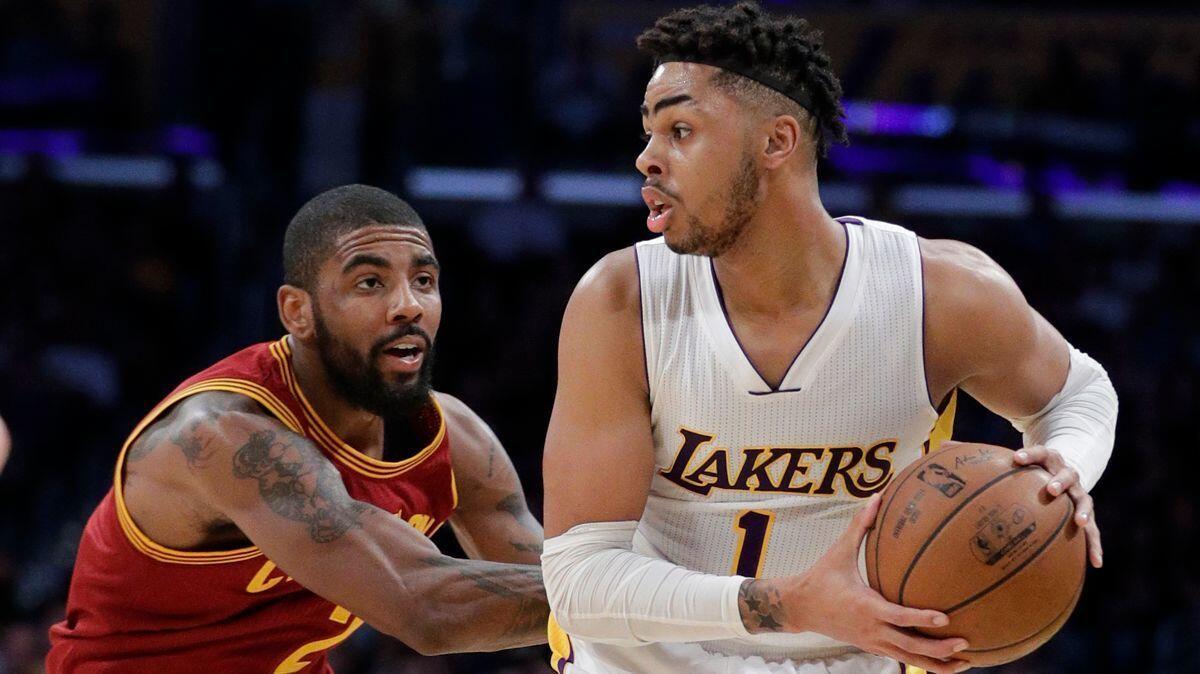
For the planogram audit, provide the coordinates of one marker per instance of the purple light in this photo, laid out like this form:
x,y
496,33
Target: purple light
x,y
51,142
995,173
864,161
898,119
189,141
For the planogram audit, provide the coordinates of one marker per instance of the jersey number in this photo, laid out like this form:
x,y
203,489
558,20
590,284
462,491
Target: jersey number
x,y
753,528
296,661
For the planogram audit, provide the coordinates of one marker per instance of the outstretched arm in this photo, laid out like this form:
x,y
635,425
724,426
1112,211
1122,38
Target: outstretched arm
x,y
289,500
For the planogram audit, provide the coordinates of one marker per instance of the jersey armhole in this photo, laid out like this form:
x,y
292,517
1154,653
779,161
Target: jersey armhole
x,y
136,537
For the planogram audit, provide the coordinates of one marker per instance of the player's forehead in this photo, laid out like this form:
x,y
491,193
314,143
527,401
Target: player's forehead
x,y
674,79
401,242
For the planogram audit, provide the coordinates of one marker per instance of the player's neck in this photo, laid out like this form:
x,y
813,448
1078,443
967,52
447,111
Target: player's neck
x,y
789,257
358,428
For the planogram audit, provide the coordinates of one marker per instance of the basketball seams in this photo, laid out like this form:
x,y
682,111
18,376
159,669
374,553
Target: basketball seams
x,y
882,520
1038,553
946,520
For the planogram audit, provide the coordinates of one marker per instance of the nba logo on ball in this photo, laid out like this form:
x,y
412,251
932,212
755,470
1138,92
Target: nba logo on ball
x,y
941,479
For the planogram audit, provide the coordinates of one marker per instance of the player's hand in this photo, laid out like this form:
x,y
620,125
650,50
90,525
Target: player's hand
x,y
1066,479
832,599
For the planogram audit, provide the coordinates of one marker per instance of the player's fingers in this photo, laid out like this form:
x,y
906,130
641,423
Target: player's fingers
x,y
1062,480
926,663
1027,456
852,538
1084,512
1085,516
938,649
903,616
1095,551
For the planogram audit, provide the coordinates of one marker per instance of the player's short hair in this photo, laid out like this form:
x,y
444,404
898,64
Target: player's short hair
x,y
317,225
783,49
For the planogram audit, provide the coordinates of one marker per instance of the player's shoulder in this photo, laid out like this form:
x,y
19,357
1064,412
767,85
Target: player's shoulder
x,y
217,420
963,281
611,282
220,407
463,423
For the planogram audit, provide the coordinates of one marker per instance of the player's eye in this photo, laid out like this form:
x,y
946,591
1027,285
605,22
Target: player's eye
x,y
369,283
681,131
645,137
425,281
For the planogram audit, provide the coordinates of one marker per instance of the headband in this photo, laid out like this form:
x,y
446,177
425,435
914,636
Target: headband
x,y
793,91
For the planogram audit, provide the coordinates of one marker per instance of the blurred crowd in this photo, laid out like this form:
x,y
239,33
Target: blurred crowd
x,y
112,296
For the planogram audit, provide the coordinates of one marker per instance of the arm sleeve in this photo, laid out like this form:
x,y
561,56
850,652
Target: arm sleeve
x,y
599,589
1079,422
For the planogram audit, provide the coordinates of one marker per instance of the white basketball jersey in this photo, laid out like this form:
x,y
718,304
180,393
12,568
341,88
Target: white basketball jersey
x,y
760,481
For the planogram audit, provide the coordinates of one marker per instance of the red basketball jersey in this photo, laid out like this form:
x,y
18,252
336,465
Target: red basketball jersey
x,y
137,606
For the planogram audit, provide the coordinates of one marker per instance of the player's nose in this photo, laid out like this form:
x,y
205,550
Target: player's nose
x,y
649,162
404,306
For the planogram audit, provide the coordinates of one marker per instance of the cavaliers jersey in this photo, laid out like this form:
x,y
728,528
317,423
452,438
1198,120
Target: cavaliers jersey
x,y
760,481
137,606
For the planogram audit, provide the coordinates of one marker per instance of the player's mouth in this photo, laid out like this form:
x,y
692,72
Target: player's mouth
x,y
660,209
405,356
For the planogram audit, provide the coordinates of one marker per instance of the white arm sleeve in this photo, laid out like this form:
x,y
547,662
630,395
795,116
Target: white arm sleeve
x,y
599,589
1079,422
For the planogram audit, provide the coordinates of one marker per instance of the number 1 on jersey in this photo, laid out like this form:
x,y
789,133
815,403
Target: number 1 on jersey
x,y
753,528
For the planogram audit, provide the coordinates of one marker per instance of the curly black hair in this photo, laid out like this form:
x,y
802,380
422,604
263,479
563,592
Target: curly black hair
x,y
784,48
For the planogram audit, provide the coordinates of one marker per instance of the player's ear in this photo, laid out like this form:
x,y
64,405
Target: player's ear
x,y
295,311
784,137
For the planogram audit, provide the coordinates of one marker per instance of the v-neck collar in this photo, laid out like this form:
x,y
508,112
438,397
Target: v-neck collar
x,y
807,361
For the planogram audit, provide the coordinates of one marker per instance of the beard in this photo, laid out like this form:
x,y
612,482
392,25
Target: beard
x,y
740,207
357,379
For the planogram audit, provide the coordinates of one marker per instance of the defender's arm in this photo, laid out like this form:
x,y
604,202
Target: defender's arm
x,y
289,500
492,520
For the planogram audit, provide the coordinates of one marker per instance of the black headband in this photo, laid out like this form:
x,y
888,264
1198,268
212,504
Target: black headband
x,y
793,91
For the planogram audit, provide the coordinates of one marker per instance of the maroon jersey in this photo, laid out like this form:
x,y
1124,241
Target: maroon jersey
x,y
137,606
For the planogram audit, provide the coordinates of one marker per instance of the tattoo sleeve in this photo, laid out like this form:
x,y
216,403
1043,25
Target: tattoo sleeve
x,y
761,607
300,487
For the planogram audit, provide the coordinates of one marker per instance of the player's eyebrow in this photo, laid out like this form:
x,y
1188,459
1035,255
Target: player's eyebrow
x,y
365,259
427,260
666,103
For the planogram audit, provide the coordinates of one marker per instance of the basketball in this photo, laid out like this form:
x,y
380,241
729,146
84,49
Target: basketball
x,y
967,532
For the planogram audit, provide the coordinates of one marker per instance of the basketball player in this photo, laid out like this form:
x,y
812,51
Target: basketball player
x,y
734,394
280,498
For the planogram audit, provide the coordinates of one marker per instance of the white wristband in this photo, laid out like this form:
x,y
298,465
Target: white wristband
x,y
600,590
1079,422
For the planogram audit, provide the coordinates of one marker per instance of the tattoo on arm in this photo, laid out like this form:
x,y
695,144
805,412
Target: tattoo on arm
x,y
522,584
514,504
195,451
761,607
497,581
302,488
491,458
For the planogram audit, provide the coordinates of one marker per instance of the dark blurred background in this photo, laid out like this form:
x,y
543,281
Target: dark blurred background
x,y
152,152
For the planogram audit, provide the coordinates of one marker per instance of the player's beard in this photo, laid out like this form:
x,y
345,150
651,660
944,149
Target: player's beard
x,y
358,379
740,207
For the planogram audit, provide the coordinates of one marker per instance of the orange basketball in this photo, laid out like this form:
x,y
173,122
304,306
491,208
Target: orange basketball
x,y
966,532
